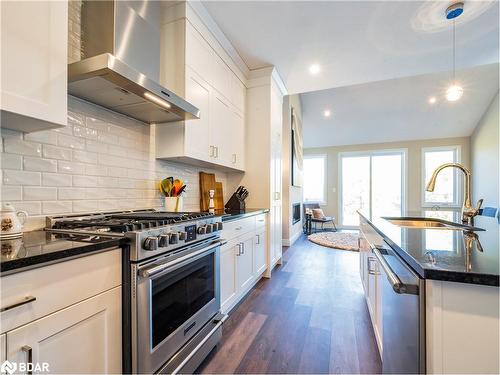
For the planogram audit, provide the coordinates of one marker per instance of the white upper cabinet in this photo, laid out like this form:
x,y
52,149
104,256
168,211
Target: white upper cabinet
x,y
192,68
34,39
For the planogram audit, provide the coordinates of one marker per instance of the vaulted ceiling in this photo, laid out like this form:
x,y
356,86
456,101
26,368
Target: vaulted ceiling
x,y
356,41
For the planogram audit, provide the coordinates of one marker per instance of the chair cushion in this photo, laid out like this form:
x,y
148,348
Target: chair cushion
x,y
318,213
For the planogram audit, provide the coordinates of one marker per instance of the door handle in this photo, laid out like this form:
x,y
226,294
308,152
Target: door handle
x,y
28,350
397,285
239,250
370,270
258,239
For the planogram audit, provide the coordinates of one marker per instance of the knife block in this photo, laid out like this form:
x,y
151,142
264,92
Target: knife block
x,y
235,204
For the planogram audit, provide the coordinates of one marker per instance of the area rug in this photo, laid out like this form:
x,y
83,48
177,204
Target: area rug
x,y
336,240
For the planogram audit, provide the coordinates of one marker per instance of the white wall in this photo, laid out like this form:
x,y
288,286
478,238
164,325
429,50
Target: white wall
x,y
485,157
291,194
414,182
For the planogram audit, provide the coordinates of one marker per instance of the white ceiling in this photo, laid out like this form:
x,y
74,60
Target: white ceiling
x,y
398,109
355,41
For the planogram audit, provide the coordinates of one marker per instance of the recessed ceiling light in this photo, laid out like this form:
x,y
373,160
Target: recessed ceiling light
x,y
454,93
327,113
432,100
314,69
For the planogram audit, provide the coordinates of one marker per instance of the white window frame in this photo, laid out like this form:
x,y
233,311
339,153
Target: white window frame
x,y
404,186
325,176
457,180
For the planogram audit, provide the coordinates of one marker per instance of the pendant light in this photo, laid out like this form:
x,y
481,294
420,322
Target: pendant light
x,y
455,91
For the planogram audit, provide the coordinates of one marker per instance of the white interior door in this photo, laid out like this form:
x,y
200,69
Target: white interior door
x,y
373,183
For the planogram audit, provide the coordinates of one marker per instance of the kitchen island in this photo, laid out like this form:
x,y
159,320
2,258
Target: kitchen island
x,y
456,315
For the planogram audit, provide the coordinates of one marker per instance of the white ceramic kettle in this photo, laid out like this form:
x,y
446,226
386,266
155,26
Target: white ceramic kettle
x,y
12,221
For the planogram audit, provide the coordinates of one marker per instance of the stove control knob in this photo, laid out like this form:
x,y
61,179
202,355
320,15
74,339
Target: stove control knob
x,y
151,243
209,228
219,225
163,240
174,238
215,228
202,230
183,236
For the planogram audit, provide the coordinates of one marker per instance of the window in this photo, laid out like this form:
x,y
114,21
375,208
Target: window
x,y
447,187
367,186
315,178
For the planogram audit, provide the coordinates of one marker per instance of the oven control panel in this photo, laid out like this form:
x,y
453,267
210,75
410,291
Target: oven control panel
x,y
170,237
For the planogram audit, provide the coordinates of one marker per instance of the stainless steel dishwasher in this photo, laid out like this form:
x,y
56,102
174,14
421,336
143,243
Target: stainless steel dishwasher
x,y
403,314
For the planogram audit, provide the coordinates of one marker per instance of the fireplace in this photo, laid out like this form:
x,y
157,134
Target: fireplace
x,y
296,213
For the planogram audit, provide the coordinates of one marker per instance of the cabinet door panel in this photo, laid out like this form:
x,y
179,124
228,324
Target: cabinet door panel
x,y
228,274
34,60
260,252
236,142
220,136
197,131
245,264
3,348
199,54
83,338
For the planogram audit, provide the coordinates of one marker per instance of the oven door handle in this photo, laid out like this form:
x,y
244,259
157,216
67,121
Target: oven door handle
x,y
153,270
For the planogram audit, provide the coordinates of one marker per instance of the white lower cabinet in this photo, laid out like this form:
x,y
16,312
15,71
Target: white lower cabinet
x,y
242,259
259,251
228,287
3,348
83,338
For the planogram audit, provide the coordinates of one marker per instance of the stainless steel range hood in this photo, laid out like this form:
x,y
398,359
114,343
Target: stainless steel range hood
x,y
120,65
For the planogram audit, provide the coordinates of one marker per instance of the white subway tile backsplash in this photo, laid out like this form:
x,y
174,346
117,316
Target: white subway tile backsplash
x,y
11,161
18,146
57,207
85,157
38,164
70,167
54,152
71,193
85,181
100,161
11,193
56,179
37,193
70,141
11,177
32,208
45,136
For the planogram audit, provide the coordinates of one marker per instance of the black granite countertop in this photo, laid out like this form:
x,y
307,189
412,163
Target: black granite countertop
x,y
39,248
439,254
229,216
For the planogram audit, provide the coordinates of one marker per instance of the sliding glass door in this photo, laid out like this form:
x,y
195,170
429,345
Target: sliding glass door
x,y
372,182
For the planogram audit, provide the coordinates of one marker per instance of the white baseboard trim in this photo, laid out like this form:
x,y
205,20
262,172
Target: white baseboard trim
x,y
291,241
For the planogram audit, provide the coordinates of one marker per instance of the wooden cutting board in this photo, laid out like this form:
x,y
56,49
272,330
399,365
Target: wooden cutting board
x,y
207,182
219,197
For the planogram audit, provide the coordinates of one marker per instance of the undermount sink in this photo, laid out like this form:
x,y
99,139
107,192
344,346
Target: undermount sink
x,y
429,223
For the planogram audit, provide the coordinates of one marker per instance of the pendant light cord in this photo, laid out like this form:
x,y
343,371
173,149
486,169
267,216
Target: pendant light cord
x,y
454,74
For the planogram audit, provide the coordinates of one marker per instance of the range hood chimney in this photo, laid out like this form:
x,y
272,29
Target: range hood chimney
x,y
119,69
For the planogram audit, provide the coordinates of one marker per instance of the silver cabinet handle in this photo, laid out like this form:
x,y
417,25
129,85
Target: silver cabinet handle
x,y
211,152
17,304
28,350
239,250
258,239
238,228
242,248
234,158
216,151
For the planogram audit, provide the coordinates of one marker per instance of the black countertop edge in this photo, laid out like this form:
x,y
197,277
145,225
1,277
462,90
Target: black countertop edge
x,y
240,215
36,261
438,274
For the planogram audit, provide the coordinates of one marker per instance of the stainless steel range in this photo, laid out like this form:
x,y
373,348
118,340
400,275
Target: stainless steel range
x,y
171,276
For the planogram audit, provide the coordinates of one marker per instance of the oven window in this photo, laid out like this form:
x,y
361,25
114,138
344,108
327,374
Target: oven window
x,y
180,294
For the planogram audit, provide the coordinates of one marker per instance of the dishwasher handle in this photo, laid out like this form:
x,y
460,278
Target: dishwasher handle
x,y
397,285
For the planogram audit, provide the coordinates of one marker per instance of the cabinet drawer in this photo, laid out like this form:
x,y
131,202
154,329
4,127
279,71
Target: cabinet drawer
x,y
233,229
260,221
57,286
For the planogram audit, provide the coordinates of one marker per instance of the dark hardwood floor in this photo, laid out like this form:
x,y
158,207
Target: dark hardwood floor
x,y
310,317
